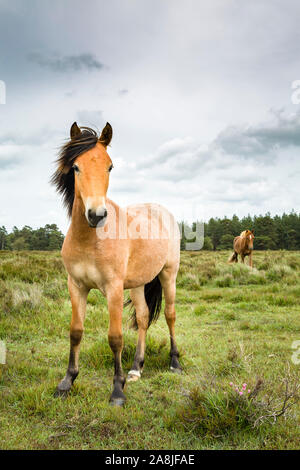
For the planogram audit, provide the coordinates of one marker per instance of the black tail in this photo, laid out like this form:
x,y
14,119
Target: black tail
x,y
153,296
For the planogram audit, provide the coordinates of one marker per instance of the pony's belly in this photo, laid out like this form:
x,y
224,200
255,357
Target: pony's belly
x,y
147,260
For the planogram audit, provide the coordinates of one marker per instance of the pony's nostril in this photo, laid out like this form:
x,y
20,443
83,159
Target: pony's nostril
x,y
92,217
105,213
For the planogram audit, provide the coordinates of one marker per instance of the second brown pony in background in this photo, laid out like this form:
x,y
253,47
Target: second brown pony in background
x,y
243,246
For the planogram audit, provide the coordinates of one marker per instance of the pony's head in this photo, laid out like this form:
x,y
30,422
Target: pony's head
x,y
249,235
83,171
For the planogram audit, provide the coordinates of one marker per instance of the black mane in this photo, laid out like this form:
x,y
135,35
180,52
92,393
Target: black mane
x,y
63,178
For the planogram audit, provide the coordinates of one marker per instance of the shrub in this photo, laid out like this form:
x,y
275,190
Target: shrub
x,y
211,410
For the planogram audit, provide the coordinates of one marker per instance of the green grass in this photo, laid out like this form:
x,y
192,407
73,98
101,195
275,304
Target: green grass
x,y
233,325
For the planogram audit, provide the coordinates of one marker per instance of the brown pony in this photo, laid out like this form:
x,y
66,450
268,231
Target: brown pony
x,y
243,245
108,248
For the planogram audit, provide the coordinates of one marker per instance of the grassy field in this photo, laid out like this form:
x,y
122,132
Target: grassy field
x,y
234,326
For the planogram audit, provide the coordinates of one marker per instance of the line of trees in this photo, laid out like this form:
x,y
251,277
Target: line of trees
x,y
44,238
271,233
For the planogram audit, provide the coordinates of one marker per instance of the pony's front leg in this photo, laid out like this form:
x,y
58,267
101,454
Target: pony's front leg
x,y
78,296
114,294
250,260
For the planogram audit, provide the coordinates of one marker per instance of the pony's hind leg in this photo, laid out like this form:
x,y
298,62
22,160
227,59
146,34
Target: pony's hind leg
x,y
78,299
137,296
168,281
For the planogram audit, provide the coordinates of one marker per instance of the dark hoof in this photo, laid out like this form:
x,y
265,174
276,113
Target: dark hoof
x,y
61,393
175,365
65,385
176,370
117,401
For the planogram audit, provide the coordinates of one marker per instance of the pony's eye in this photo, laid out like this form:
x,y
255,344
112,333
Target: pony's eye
x,y
76,169
110,168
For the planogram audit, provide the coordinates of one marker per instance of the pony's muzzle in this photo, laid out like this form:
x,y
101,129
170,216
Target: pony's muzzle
x,y
97,218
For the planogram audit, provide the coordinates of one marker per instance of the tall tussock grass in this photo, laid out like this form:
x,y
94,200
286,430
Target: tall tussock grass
x,y
217,411
18,297
212,269
31,267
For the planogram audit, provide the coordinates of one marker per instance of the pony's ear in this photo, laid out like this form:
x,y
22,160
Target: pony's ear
x,y
106,135
252,231
74,131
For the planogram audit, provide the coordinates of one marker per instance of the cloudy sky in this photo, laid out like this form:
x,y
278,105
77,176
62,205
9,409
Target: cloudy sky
x,y
198,94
